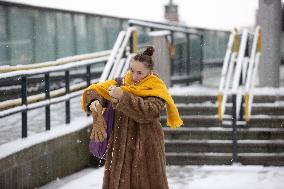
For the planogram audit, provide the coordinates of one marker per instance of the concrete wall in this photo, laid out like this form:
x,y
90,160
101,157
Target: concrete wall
x,y
44,162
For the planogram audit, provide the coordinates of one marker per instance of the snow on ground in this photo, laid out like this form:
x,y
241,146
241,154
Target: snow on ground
x,y
11,126
190,177
22,143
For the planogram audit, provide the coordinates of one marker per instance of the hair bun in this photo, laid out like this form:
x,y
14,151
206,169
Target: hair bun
x,y
149,51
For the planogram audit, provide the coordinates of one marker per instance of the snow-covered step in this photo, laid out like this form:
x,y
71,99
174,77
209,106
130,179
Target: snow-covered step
x,y
223,133
200,98
209,108
267,159
174,158
206,108
269,121
225,146
211,95
196,120
265,121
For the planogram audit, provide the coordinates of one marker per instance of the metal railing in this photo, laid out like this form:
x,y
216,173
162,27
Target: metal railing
x,y
244,64
120,50
118,56
228,64
65,95
187,47
252,73
116,63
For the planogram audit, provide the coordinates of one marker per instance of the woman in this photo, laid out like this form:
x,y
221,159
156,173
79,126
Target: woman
x,y
136,152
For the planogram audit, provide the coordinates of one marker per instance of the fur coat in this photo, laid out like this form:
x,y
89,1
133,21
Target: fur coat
x,y
136,152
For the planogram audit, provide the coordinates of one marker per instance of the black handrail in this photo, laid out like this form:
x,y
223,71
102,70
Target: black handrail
x,y
47,97
24,112
25,107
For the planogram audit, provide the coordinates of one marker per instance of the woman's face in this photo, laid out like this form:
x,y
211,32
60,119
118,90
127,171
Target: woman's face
x,y
138,70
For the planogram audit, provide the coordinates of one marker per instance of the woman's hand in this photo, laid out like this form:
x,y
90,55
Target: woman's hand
x,y
96,107
98,133
99,127
115,92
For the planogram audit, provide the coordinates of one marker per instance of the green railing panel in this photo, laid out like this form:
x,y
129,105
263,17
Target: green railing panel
x,y
31,34
81,34
4,58
195,55
21,34
215,44
111,28
65,35
45,36
180,58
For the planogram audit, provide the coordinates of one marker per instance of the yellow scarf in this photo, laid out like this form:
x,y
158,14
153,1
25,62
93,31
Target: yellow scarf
x,y
151,85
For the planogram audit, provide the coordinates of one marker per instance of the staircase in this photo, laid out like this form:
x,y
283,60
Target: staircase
x,y
203,140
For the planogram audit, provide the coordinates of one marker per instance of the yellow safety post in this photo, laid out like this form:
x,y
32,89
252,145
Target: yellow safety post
x,y
259,45
220,98
134,41
236,41
247,107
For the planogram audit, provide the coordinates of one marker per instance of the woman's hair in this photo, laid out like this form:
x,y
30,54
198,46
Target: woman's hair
x,y
146,57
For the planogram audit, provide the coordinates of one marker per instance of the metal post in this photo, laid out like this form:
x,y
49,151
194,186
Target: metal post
x,y
88,75
241,82
234,130
47,96
24,113
241,115
67,90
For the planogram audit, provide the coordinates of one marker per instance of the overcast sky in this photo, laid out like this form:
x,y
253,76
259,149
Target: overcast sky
x,y
214,14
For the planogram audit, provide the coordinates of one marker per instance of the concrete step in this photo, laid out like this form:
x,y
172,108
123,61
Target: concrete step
x,y
196,120
261,121
221,133
267,109
200,98
225,146
261,109
194,99
173,158
266,121
266,159
206,108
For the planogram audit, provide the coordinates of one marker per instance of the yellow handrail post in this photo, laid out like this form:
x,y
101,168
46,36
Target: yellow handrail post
x,y
236,41
220,98
259,42
134,41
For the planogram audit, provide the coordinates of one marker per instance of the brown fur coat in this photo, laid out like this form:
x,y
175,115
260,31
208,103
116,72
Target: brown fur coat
x,y
136,152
